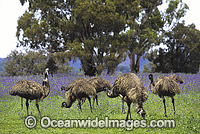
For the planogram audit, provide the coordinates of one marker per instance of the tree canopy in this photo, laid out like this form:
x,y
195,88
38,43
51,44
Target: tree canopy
x,y
33,63
182,53
98,32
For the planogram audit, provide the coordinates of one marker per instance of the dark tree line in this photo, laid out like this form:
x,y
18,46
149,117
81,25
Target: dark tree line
x,y
182,53
33,63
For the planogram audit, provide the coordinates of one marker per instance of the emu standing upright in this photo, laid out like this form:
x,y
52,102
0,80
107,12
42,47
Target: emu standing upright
x,y
31,90
166,86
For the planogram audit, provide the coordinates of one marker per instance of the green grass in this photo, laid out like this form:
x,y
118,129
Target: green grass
x,y
187,114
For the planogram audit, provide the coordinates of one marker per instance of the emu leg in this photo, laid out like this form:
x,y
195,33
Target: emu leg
x,y
96,100
130,111
27,106
90,103
93,102
21,103
164,107
173,104
37,107
128,104
123,110
83,100
79,104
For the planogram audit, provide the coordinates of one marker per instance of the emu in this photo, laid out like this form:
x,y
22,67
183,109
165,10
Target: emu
x,y
72,84
31,90
99,83
131,88
79,91
166,86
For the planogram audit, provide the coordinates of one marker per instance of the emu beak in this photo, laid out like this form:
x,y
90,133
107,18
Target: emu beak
x,y
63,104
142,113
62,88
181,82
109,94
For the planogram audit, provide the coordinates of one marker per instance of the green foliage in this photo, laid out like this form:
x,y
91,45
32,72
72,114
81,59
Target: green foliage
x,y
148,30
18,63
32,62
149,68
99,32
51,64
182,54
61,62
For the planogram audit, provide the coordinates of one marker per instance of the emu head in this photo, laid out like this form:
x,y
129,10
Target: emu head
x,y
140,110
109,93
69,99
64,104
151,77
112,93
46,72
62,88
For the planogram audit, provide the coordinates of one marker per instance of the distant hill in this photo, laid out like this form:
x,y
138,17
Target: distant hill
x,y
2,63
123,67
76,64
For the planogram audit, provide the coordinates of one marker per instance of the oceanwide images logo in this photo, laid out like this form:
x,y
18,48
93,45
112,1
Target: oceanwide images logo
x,y
46,122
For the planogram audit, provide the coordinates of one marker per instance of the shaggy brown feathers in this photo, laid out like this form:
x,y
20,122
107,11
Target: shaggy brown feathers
x,y
31,90
166,86
176,78
27,89
79,91
100,84
71,85
130,86
70,99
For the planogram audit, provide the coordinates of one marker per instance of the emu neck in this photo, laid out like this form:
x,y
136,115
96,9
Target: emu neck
x,y
69,104
110,94
152,82
46,85
137,107
46,90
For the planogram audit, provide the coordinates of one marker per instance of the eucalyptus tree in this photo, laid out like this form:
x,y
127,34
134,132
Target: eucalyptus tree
x,y
99,32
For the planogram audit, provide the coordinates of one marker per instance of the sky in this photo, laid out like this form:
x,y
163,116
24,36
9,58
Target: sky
x,y
11,11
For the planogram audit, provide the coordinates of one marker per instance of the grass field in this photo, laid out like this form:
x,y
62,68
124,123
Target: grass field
x,y
187,104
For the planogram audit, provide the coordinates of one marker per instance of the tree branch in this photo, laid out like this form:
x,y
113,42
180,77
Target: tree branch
x,y
144,20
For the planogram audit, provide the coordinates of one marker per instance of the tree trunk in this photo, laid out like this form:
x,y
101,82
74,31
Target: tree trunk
x,y
88,66
137,64
134,65
132,62
111,70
